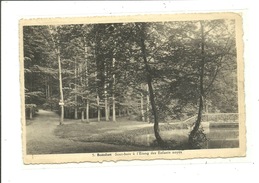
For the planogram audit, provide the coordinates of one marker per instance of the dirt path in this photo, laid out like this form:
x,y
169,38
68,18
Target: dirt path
x,y
41,139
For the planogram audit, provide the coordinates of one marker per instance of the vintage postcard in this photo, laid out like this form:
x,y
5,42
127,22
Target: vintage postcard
x,y
146,87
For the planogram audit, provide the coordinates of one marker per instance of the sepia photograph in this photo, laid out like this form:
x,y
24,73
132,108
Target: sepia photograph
x,y
138,87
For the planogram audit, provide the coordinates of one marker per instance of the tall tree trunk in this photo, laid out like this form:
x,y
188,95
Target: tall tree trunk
x,y
148,120
61,103
108,110
113,109
106,98
47,87
201,88
142,107
149,82
60,88
98,108
30,112
50,96
87,110
82,114
76,117
96,76
87,80
113,95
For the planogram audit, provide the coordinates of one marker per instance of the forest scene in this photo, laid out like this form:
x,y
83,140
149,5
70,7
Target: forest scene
x,y
134,86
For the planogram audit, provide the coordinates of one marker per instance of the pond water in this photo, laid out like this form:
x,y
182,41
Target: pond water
x,y
219,136
223,138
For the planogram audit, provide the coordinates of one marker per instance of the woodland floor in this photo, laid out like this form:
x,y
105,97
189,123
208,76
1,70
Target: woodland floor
x,y
43,137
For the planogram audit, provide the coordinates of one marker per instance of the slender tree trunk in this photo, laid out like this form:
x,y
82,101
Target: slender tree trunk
x,y
61,89
61,103
87,110
148,120
87,80
48,91
106,98
151,92
201,88
80,76
109,110
113,96
142,107
96,81
50,95
113,109
76,117
82,115
47,87
30,112
98,108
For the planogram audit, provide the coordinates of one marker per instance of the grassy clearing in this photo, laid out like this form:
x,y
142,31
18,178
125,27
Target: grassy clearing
x,y
120,133
40,138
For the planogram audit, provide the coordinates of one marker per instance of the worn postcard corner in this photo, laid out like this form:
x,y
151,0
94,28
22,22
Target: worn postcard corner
x,y
97,89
